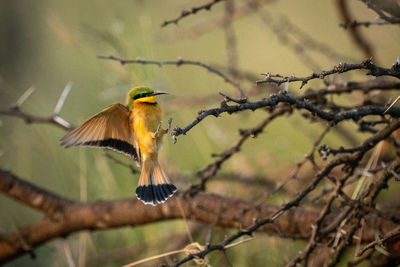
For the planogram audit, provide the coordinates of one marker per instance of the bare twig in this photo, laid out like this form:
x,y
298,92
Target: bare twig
x,y
391,105
379,242
15,111
348,161
177,63
192,11
373,70
298,103
315,235
120,162
211,169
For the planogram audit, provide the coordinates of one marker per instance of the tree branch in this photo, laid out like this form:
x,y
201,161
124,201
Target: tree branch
x,y
349,163
178,63
76,216
212,168
373,70
333,117
15,110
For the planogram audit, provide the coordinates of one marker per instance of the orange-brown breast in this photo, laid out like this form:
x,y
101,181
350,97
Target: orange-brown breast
x,y
145,119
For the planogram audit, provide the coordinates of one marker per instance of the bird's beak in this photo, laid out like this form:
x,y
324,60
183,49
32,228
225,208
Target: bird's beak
x,y
159,93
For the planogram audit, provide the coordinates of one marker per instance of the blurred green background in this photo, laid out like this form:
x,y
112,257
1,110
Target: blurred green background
x,y
46,44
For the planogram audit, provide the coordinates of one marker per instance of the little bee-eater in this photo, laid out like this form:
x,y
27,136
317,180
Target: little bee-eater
x,y
135,130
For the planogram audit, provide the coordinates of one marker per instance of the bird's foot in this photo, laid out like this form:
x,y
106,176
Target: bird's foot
x,y
158,132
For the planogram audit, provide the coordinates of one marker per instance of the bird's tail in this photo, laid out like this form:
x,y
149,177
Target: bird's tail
x,y
154,187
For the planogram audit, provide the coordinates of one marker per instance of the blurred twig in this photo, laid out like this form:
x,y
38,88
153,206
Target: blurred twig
x,y
377,7
356,35
355,23
120,162
230,38
284,34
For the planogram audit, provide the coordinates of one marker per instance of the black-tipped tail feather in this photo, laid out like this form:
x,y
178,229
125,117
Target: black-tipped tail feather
x,y
155,194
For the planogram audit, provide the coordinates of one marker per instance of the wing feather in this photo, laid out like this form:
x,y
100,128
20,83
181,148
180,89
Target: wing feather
x,y
110,128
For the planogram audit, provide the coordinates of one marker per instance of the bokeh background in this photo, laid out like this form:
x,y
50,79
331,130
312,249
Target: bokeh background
x,y
46,44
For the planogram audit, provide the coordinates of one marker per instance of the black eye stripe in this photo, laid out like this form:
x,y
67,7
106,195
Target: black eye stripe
x,y
141,95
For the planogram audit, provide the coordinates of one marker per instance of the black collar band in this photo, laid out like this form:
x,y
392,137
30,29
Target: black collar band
x,y
150,103
142,95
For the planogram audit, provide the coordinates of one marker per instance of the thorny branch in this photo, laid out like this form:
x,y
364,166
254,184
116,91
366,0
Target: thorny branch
x,y
15,110
336,225
279,104
298,102
373,70
178,63
346,161
379,242
192,11
213,168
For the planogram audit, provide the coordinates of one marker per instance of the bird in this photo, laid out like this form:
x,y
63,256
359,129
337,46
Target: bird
x,y
135,130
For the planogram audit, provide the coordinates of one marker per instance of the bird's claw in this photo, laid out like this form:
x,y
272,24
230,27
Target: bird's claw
x,y
169,125
157,133
160,131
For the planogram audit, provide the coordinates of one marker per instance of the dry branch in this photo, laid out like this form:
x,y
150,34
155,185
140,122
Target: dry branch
x,y
178,63
332,117
72,216
373,70
348,163
15,110
211,169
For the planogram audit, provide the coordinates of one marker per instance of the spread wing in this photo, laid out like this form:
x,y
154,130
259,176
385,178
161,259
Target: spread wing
x,y
110,128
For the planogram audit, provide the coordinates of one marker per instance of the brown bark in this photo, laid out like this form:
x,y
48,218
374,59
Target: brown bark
x,y
64,216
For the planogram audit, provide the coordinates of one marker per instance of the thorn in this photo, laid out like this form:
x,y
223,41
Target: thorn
x,y
391,105
396,175
62,98
286,88
62,122
24,96
174,139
